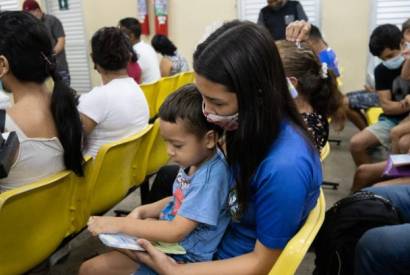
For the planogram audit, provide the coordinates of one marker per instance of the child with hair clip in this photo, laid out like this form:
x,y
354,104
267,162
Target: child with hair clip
x,y
318,96
196,216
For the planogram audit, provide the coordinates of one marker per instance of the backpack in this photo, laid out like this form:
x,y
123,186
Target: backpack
x,y
345,222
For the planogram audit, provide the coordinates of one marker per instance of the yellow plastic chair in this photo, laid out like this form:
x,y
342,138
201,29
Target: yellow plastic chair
x,y
372,115
82,192
151,93
167,85
294,252
112,171
158,156
142,157
184,78
324,153
34,220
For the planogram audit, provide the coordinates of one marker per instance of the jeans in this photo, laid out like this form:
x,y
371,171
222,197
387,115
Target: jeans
x,y
386,250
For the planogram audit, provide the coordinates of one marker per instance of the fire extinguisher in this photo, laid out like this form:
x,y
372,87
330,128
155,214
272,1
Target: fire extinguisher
x,y
161,17
143,16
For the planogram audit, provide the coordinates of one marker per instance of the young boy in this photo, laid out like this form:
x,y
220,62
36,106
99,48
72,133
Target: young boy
x,y
386,43
196,216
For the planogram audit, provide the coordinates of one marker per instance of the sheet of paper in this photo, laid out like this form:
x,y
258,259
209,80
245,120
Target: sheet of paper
x,y
400,159
129,242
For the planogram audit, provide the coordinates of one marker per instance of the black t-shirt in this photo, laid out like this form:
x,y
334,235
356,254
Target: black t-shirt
x,y
387,79
277,20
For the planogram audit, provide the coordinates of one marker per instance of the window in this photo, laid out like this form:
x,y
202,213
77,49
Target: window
x,y
389,11
249,9
76,43
9,5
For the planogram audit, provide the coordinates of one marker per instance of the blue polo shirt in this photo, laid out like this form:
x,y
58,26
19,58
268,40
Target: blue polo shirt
x,y
284,190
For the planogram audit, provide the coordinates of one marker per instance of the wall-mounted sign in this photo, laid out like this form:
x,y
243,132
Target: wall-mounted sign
x,y
63,4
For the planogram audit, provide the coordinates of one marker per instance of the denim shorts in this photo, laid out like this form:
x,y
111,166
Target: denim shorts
x,y
363,100
381,129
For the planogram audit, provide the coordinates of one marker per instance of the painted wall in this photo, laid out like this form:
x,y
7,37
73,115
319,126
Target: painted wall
x,y
345,25
187,20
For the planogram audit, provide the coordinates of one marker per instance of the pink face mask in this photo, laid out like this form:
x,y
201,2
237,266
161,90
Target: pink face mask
x,y
228,123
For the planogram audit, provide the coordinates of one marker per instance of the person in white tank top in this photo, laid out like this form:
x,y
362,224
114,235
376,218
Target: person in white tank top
x,y
47,124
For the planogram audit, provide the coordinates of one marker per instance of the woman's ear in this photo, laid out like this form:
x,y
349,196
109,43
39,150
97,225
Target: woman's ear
x,y
211,139
4,66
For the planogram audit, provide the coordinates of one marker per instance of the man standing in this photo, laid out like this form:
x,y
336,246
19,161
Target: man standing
x,y
57,36
278,14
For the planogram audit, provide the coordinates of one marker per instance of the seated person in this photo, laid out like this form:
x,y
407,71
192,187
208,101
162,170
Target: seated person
x,y
386,43
147,58
196,216
385,250
133,68
318,96
172,61
47,124
118,108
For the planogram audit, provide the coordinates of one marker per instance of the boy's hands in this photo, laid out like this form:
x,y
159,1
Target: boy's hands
x,y
98,225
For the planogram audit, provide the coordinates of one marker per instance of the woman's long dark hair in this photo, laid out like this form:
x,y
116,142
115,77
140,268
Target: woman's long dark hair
x,y
242,57
24,41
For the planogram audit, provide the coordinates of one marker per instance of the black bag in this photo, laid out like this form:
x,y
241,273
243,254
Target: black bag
x,y
344,225
8,148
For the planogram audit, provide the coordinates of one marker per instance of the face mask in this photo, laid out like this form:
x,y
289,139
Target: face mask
x,y
394,63
1,86
228,123
408,45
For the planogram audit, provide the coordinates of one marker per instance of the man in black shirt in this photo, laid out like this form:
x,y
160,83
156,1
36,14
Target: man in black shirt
x,y
391,78
57,37
278,14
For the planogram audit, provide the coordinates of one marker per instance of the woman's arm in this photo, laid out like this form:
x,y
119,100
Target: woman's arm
x,y
88,124
165,67
151,210
259,261
153,230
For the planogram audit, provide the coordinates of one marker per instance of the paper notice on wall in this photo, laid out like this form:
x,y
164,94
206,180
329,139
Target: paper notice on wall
x,y
143,16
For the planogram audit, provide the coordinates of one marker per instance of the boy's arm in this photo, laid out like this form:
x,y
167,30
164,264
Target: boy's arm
x,y
151,210
153,230
392,107
405,71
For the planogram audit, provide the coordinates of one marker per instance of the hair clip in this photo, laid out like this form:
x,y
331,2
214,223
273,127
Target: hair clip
x,y
298,45
323,71
45,58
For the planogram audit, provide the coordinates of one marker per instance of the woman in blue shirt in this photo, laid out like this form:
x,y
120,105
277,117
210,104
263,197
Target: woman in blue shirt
x,y
277,169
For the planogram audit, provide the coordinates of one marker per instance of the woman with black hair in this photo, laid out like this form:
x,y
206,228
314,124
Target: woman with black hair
x,y
172,61
276,167
118,107
47,124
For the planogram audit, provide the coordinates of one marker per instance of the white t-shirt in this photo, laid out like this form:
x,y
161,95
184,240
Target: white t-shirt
x,y
148,61
119,109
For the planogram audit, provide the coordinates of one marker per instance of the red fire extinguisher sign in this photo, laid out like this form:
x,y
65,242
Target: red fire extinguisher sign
x,y
161,16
